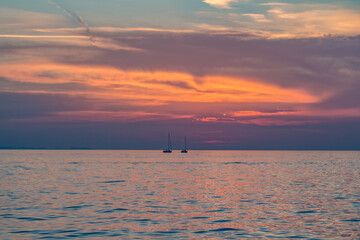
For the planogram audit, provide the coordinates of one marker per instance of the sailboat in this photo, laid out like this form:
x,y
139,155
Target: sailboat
x,y
169,149
185,148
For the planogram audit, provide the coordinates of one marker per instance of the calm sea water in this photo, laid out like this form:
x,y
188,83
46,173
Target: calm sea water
x,y
198,195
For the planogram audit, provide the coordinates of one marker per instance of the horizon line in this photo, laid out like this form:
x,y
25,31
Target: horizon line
x,y
137,149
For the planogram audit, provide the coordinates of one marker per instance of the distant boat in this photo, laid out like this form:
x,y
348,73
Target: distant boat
x,y
169,148
185,148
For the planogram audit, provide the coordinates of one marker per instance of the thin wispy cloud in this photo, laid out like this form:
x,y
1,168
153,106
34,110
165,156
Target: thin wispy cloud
x,y
72,40
15,21
303,21
274,4
220,3
257,17
288,21
113,30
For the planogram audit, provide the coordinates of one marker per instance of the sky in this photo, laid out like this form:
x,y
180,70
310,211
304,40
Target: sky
x,y
228,74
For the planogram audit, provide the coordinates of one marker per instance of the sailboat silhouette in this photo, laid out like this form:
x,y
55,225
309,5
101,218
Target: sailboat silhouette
x,y
169,148
185,148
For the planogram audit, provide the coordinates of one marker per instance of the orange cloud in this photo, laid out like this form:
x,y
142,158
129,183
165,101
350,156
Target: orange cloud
x,y
160,86
352,112
150,90
277,118
257,121
256,113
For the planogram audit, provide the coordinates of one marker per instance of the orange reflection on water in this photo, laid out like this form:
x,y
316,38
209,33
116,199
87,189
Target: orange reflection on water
x,y
204,194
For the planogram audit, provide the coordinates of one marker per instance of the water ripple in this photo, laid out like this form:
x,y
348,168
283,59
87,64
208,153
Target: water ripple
x,y
202,195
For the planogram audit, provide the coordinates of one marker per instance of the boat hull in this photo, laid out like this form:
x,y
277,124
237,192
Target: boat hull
x,y
167,151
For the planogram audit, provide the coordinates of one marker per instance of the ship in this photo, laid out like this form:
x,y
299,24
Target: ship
x,y
185,147
169,148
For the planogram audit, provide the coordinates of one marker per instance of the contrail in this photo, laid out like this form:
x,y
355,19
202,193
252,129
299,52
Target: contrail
x,y
96,42
77,17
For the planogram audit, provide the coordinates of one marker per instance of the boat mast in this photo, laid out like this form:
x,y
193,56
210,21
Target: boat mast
x,y
169,141
185,143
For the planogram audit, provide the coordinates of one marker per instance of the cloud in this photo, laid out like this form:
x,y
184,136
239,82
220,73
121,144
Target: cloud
x,y
312,65
258,113
303,21
274,4
15,21
257,17
136,84
219,3
103,116
71,40
262,121
288,21
220,78
313,21
113,30
141,96
295,64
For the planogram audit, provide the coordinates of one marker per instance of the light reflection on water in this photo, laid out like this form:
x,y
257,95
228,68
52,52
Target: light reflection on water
x,y
201,194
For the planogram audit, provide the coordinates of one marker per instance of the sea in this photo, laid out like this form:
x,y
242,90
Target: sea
x,y
115,194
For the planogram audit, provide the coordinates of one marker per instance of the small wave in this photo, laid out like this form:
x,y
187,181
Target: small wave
x,y
199,217
296,236
247,200
72,193
351,220
31,219
77,207
246,163
306,212
167,232
23,167
222,220
225,229
143,220
112,210
113,181
30,231
155,206
217,210
340,198
74,162
85,234
235,163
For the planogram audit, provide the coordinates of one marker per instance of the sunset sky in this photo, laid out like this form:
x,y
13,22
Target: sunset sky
x,y
228,74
